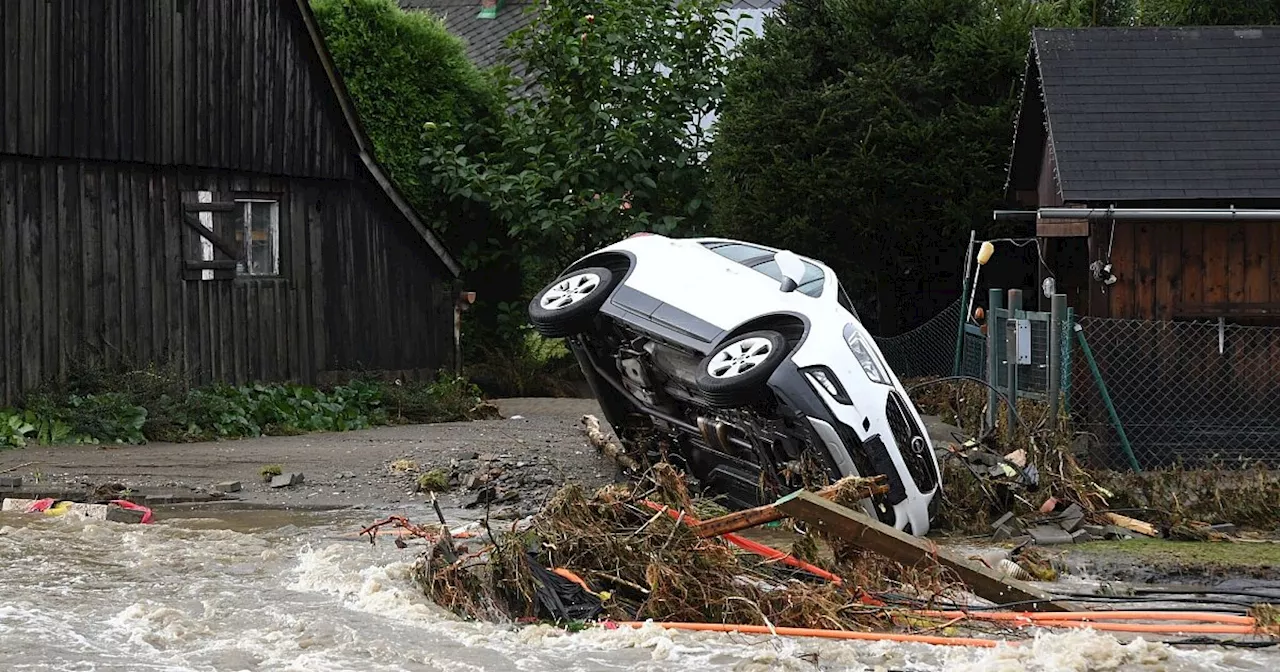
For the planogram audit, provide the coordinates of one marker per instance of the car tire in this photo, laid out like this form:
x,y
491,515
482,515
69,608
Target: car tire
x,y
737,372
567,305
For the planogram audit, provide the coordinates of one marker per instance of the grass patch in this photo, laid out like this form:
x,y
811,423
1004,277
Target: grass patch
x,y
1184,555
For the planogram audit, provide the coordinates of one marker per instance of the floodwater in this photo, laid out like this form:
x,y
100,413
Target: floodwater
x,y
263,590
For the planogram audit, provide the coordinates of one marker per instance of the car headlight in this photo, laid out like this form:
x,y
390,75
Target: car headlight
x,y
821,376
858,346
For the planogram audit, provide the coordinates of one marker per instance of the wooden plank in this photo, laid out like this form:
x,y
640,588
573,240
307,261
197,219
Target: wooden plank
x,y
225,246
26,76
320,309
52,337
70,317
280,329
139,258
1144,277
10,315
156,228
748,518
1235,262
112,87
215,206
30,220
872,535
1215,262
1123,292
1062,228
113,340
238,336
252,329
216,265
1257,261
9,23
125,253
1273,273
293,212
170,269
1193,265
1230,309
43,81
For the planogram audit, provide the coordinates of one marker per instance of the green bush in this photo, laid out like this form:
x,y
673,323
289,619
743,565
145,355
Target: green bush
x,y
231,412
404,70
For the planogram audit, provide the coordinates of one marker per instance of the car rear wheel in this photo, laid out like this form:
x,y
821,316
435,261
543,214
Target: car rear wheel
x,y
566,306
737,372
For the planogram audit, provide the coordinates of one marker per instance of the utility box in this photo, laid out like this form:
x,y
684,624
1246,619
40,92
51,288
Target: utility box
x,y
1023,336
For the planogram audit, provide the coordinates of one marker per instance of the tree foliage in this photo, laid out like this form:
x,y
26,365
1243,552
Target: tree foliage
x,y
403,70
608,142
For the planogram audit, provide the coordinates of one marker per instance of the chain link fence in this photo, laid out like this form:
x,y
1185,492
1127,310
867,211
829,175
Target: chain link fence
x,y
1195,393
926,351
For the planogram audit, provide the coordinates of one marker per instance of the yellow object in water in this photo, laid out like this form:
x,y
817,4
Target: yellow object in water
x,y
58,509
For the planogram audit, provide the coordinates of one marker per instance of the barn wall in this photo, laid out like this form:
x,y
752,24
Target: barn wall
x,y
211,83
1176,270
91,264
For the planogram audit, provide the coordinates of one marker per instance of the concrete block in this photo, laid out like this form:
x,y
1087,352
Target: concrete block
x,y
1007,520
1224,528
228,486
116,514
80,510
10,482
1047,535
287,480
1072,518
1081,536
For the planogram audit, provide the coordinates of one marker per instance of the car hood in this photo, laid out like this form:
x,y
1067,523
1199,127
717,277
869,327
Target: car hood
x,y
684,274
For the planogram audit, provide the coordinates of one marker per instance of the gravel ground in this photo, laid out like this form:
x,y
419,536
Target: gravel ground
x,y
537,446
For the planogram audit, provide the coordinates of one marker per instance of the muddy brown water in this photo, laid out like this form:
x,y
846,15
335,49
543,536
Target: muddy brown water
x,y
285,590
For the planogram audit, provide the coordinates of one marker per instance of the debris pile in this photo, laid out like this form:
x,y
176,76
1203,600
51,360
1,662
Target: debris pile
x,y
628,552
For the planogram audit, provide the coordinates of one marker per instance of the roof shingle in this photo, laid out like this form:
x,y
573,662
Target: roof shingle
x,y
1146,114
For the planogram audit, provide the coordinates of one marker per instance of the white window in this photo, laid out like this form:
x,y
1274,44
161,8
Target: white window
x,y
257,230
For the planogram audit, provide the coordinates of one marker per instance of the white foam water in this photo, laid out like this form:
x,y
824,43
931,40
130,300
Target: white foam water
x,y
202,594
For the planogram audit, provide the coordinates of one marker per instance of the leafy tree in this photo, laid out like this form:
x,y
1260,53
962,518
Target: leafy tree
x,y
873,134
609,141
403,70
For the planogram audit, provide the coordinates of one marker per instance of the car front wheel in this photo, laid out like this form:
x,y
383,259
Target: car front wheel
x,y
566,306
737,372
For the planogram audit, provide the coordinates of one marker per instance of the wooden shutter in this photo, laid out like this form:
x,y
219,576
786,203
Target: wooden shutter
x,y
224,217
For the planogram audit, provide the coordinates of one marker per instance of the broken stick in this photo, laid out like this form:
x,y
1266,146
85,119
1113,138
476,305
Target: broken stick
x,y
851,487
1133,524
604,445
872,535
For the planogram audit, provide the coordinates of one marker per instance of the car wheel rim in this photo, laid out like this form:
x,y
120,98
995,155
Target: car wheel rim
x,y
569,291
740,357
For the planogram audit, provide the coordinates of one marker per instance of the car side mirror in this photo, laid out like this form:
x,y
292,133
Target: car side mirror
x,y
792,269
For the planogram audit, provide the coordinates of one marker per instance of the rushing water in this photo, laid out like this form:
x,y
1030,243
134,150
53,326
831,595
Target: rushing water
x,y
261,590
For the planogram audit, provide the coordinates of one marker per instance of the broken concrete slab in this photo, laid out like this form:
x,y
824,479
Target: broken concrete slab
x,y
1072,518
105,512
228,486
287,480
1048,535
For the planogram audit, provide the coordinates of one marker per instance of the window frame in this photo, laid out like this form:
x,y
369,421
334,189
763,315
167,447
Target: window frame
x,y
247,199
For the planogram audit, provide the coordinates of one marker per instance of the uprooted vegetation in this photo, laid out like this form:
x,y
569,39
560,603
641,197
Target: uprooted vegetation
x,y
994,472
157,404
633,548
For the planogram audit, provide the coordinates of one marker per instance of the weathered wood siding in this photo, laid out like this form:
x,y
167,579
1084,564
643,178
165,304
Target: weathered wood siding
x,y
211,83
91,266
1189,270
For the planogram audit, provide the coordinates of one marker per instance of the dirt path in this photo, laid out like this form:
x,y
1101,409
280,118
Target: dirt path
x,y
538,438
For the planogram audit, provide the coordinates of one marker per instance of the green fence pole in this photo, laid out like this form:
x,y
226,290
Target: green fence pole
x,y
1106,399
1067,370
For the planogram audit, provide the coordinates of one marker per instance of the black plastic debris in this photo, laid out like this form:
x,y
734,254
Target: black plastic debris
x,y
559,598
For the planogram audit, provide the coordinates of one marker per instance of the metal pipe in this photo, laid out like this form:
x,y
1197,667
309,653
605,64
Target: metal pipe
x,y
1155,214
995,301
1011,355
1106,400
1057,316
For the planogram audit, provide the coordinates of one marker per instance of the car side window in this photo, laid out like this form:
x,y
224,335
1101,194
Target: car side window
x,y
810,284
738,252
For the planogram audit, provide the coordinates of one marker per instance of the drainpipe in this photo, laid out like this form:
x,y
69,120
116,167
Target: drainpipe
x,y
1152,214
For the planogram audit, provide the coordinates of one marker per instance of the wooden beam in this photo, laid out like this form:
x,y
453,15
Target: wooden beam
x,y
1226,309
874,536
760,515
227,248
220,265
1062,228
222,206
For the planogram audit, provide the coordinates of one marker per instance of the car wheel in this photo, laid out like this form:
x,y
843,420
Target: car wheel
x,y
737,371
564,307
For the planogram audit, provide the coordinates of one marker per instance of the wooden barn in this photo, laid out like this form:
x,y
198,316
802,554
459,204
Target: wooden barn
x,y
186,182
1149,159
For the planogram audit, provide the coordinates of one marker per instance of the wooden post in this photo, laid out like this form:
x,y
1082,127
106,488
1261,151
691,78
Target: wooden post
x,y
760,515
874,536
995,300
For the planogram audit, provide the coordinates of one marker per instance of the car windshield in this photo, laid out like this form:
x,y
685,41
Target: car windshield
x,y
761,260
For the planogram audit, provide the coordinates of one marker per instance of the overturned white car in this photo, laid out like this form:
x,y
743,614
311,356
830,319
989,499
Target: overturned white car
x,y
745,364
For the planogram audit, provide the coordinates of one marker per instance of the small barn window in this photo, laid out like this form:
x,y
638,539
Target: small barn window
x,y
258,233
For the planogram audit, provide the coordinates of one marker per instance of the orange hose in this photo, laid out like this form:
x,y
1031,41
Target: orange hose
x,y
827,634
1199,616
1167,628
766,552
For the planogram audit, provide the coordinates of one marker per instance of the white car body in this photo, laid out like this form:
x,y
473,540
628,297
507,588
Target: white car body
x,y
688,275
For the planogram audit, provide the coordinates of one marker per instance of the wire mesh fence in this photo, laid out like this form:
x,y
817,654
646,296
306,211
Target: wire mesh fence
x,y
1185,392
926,351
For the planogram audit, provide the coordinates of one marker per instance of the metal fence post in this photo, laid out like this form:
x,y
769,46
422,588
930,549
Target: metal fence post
x,y
1057,316
1068,370
964,310
1011,354
995,300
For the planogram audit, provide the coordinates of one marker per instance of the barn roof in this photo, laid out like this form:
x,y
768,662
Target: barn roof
x,y
365,146
1150,114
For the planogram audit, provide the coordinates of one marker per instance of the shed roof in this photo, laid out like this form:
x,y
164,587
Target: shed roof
x,y
1150,114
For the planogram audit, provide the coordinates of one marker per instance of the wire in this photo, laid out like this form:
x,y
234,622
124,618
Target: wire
x,y
989,386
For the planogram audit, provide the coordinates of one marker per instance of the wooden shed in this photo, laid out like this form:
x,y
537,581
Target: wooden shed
x,y
1169,137
187,182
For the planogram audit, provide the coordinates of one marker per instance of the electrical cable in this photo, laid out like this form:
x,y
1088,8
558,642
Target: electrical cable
x,y
980,381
